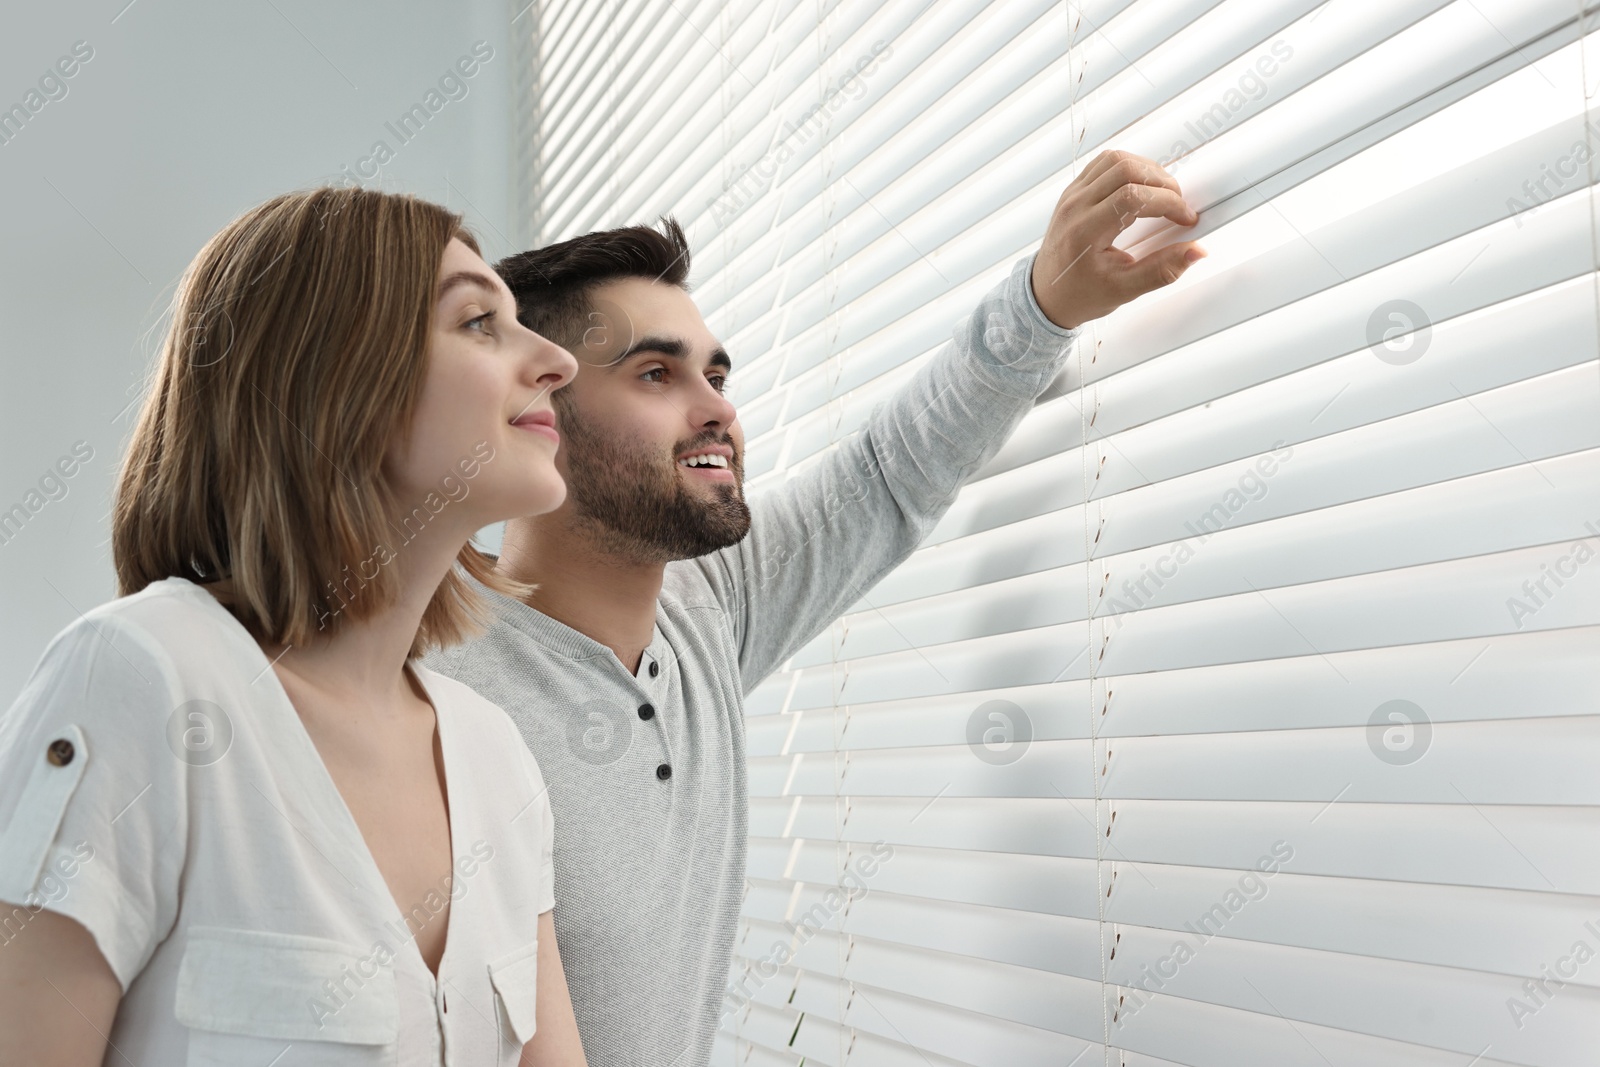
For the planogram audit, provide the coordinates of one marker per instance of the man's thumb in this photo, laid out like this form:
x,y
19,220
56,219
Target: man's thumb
x,y
1163,266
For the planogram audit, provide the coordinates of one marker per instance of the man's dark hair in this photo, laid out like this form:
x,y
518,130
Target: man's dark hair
x,y
553,284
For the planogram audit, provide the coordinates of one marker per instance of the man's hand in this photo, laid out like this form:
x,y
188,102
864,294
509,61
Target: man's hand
x,y
1078,275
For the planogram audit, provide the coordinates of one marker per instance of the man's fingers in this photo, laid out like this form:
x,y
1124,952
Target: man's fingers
x,y
1111,169
1114,157
1133,170
1115,189
1108,177
1118,211
1160,268
1100,164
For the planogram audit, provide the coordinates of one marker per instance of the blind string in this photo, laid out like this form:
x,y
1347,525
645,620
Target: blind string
x,y
842,988
1593,164
1073,79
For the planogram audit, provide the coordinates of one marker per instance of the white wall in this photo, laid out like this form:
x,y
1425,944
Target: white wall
x,y
187,114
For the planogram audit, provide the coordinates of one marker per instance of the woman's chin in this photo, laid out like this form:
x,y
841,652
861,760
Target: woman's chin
x,y
545,498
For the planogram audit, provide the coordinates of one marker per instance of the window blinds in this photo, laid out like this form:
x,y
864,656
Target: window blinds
x,y
1243,710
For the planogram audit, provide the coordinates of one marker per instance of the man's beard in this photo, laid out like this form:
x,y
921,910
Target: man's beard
x,y
633,502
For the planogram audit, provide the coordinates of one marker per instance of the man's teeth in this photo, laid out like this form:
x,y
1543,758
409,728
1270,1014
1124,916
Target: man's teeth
x,y
709,459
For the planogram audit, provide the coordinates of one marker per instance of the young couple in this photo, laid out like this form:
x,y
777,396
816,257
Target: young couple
x,y
242,805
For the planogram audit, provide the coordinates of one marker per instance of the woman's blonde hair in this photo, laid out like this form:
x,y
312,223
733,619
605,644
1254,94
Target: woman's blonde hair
x,y
296,352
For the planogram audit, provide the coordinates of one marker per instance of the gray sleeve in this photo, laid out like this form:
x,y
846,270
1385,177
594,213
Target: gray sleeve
x,y
818,543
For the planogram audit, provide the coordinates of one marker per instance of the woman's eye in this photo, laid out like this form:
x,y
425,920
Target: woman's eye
x,y
484,318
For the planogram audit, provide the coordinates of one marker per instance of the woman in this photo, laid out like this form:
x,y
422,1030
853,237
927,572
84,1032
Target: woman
x,y
243,825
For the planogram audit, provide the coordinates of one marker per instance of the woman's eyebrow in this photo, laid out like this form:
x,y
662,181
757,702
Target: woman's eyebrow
x,y
466,277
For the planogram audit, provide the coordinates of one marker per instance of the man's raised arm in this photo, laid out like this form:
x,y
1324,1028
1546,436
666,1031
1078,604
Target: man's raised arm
x,y
818,543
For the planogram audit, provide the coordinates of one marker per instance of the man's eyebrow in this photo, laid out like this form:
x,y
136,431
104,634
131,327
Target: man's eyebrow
x,y
672,348
466,277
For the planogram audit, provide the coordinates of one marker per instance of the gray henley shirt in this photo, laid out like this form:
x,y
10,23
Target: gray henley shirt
x,y
646,771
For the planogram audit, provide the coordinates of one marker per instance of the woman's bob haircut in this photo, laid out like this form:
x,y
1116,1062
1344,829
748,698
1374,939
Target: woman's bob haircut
x,y
295,355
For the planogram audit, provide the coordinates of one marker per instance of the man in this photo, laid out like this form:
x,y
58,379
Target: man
x,y
663,598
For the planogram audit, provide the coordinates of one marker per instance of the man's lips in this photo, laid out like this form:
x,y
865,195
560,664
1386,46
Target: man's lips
x,y
712,474
718,469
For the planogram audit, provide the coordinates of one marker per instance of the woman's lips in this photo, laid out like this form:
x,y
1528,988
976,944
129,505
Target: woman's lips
x,y
540,429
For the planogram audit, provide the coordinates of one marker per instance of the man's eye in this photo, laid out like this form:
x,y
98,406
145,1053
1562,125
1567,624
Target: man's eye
x,y
654,370
721,382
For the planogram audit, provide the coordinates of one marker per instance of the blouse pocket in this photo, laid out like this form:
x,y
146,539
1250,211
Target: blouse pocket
x,y
248,995
515,977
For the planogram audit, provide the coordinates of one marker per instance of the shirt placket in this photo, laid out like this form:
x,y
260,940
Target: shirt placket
x,y
652,680
441,1035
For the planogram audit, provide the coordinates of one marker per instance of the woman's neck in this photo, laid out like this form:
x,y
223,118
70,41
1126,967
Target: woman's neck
x,y
362,658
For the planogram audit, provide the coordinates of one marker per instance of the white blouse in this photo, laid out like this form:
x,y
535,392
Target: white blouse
x,y
157,785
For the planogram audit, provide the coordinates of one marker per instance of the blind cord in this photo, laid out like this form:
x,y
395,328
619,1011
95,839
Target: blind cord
x,y
1073,79
1594,165
840,759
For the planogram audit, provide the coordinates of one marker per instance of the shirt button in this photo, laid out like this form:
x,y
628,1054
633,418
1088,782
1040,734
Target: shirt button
x,y
655,668
60,752
647,712
664,771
